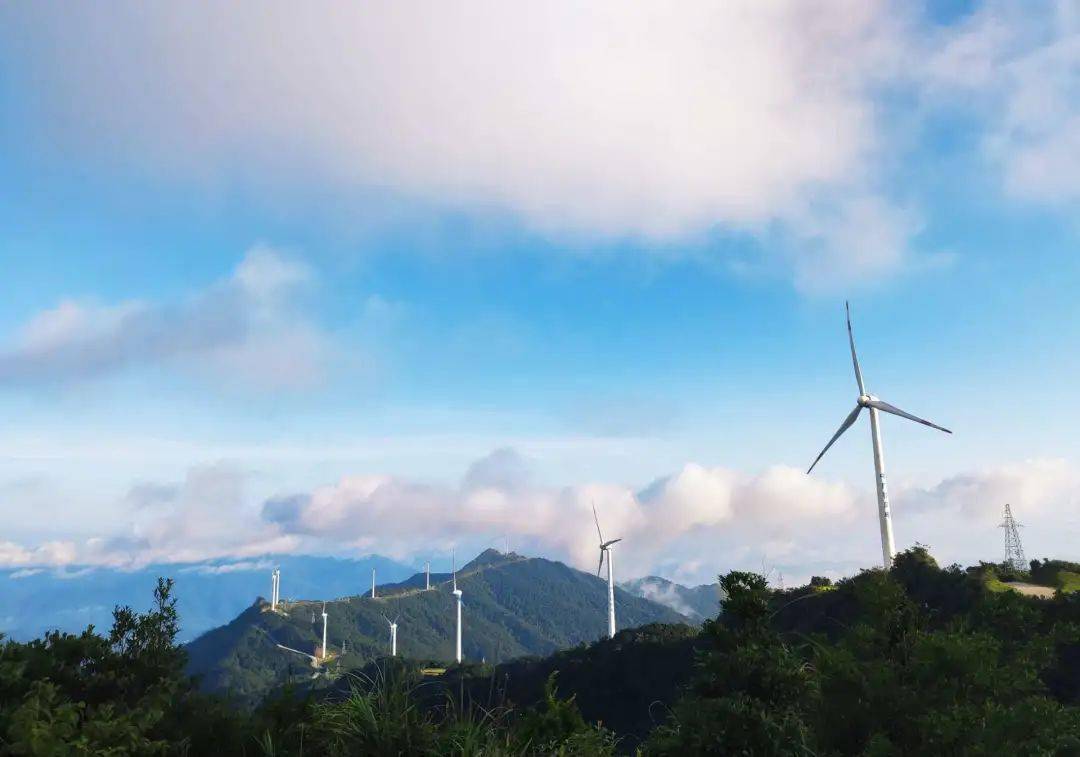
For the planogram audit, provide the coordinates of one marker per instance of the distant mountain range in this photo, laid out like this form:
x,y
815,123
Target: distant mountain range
x,y
514,606
209,593
696,603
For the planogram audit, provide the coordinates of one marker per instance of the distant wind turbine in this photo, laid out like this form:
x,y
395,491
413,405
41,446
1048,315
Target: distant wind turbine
x,y
393,635
427,576
457,597
605,550
275,588
373,583
888,548
324,617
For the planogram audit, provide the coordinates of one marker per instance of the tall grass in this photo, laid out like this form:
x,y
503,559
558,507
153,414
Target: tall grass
x,y
389,711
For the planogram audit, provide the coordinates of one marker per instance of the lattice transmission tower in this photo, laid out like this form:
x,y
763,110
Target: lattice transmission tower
x,y
1014,550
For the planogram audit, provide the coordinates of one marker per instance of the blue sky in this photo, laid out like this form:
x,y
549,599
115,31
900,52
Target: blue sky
x,y
345,267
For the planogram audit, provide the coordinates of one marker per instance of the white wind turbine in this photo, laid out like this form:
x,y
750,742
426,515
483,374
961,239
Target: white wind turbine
x,y
427,576
373,583
393,635
457,597
869,401
605,550
275,587
324,617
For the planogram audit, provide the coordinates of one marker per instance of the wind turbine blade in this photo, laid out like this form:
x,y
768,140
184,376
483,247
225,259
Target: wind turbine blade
x,y
601,565
843,427
597,519
885,407
854,357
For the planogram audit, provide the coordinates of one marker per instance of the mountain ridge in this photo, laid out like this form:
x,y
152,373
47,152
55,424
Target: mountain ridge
x,y
696,602
514,606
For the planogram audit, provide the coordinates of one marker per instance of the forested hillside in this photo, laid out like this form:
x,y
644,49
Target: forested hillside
x,y
513,606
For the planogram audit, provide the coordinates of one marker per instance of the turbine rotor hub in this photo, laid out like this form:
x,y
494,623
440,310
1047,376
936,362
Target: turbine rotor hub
x,y
864,400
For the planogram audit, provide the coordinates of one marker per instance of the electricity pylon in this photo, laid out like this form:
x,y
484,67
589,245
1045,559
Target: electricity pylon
x,y
1014,550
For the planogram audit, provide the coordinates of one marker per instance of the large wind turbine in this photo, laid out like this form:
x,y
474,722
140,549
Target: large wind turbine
x,y
457,597
869,401
605,550
393,635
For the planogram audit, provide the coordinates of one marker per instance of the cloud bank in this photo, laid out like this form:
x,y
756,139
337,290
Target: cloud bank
x,y
688,526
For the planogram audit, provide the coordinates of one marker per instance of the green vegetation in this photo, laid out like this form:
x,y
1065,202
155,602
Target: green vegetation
x,y
1058,574
515,607
917,660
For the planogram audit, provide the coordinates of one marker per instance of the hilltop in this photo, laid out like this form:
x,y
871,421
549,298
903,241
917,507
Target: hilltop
x,y
514,606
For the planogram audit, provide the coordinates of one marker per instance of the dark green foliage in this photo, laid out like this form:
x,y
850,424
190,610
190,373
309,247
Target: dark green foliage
x,y
125,693
556,726
1060,574
627,683
918,660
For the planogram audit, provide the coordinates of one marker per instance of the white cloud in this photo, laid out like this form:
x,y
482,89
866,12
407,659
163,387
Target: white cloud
x,y
402,516
689,526
1019,66
26,573
646,119
665,594
1035,487
242,566
50,553
242,329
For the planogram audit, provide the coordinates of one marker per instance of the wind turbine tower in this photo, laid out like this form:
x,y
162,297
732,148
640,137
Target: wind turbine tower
x,y
427,576
393,635
373,583
275,588
873,404
457,597
324,617
605,551
1014,550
